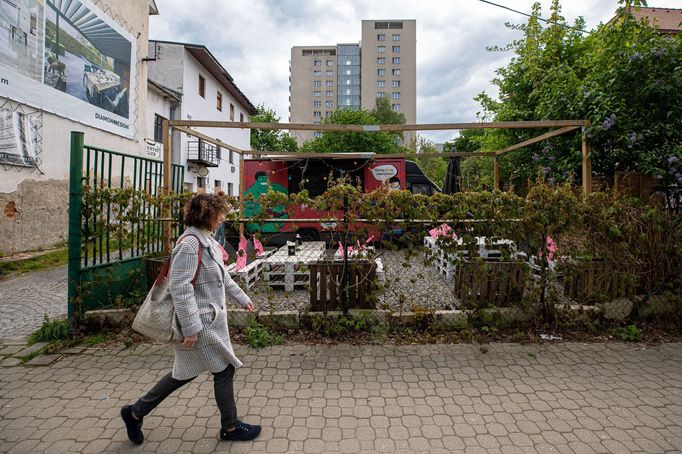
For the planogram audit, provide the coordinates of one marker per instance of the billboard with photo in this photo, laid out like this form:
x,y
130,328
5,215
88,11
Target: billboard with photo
x,y
69,58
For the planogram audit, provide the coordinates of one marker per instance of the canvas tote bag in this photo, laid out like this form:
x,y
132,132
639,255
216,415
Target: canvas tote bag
x,y
156,317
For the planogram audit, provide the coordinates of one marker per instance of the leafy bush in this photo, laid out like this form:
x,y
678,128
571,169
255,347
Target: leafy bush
x,y
629,333
51,330
259,336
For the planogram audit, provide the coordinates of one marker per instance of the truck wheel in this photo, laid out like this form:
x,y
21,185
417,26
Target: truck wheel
x,y
309,235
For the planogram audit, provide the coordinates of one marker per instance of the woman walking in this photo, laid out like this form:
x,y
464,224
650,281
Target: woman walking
x,y
198,290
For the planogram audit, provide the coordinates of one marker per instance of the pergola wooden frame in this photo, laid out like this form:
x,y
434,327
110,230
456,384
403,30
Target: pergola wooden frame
x,y
185,126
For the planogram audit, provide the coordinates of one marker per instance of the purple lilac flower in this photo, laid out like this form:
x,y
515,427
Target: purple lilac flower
x,y
658,177
672,159
609,122
679,180
546,170
551,158
659,194
535,157
635,56
659,52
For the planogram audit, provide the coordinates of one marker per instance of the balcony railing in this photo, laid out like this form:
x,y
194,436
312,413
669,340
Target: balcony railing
x,y
203,153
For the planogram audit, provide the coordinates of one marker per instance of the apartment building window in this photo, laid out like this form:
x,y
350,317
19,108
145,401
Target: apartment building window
x,y
381,60
219,101
317,114
395,37
395,60
231,112
395,106
317,93
202,86
317,122
349,62
395,48
327,114
348,72
329,103
348,81
330,62
395,95
381,94
381,37
381,49
329,93
348,101
241,117
317,73
201,183
317,83
395,72
218,186
317,103
395,83
231,157
317,63
158,128
317,134
330,73
330,83
218,153
230,188
381,83
347,91
381,72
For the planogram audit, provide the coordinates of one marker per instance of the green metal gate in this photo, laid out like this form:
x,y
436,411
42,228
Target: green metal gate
x,y
105,265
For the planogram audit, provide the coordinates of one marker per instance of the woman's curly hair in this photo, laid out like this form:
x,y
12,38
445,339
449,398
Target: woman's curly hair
x,y
201,209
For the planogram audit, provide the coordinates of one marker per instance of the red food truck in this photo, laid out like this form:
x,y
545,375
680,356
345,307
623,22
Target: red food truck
x,y
289,175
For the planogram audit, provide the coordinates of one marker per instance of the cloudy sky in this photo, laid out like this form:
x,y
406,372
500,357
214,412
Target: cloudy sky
x,y
253,38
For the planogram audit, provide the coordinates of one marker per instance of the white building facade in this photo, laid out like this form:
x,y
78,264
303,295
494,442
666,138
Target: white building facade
x,y
208,93
64,66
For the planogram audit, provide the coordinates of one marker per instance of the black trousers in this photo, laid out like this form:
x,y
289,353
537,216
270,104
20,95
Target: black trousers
x,y
224,395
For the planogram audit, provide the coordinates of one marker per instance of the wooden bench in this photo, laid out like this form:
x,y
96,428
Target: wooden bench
x,y
479,284
326,284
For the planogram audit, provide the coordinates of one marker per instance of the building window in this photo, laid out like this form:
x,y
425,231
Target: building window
x,y
230,188
317,83
395,60
395,95
241,117
381,72
202,86
395,48
395,37
347,81
158,128
317,103
201,183
317,63
317,113
329,93
231,112
348,62
317,73
330,62
231,157
329,103
395,83
348,91
348,72
327,114
381,94
395,72
330,83
317,134
381,60
219,101
395,106
348,102
330,73
218,153
218,185
317,93
381,49
381,37
381,83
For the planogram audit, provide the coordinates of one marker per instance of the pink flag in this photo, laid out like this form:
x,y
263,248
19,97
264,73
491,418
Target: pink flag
x,y
258,246
241,254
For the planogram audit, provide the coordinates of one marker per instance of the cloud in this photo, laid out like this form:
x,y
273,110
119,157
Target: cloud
x,y
253,38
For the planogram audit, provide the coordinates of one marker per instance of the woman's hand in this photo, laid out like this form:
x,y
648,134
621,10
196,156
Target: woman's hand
x,y
190,341
249,307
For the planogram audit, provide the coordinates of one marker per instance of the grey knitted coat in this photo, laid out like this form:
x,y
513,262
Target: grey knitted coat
x,y
201,307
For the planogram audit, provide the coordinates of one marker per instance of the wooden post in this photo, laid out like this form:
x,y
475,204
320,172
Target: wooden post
x,y
241,194
166,208
587,165
496,174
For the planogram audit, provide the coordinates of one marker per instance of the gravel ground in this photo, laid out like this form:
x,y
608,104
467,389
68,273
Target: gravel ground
x,y
408,282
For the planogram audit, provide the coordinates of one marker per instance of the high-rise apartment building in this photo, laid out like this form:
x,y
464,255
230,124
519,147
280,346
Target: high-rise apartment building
x,y
325,78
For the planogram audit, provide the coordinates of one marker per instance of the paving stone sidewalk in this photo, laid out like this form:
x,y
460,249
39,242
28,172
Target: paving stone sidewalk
x,y
567,397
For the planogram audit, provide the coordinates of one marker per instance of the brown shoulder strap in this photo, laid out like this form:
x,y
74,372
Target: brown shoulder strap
x,y
165,270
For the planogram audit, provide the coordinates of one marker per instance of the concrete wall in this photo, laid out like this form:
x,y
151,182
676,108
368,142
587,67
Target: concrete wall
x,y
25,187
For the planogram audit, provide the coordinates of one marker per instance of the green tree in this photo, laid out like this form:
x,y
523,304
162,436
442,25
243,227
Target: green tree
x,y
359,142
269,139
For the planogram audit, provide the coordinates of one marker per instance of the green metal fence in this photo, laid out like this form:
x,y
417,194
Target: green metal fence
x,y
107,249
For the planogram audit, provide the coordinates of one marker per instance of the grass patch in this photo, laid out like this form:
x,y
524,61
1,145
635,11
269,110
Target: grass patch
x,y
50,331
259,336
91,341
41,262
